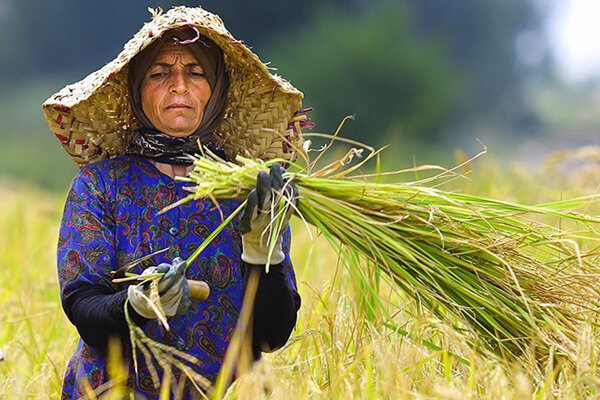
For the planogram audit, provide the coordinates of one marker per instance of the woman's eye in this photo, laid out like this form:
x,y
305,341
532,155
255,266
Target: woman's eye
x,y
196,74
158,75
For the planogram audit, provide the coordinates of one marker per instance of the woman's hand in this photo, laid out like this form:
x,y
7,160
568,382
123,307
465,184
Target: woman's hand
x,y
257,215
172,288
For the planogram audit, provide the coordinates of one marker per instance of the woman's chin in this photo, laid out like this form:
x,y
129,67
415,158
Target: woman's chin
x,y
181,130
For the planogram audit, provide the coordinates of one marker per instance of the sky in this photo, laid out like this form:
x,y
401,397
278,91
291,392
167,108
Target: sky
x,y
574,32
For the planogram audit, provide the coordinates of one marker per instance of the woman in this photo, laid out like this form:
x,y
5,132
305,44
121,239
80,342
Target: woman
x,y
182,78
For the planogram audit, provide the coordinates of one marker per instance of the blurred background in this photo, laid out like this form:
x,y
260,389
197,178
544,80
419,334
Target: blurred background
x,y
427,76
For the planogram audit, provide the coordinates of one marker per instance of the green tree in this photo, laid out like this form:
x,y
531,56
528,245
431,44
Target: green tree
x,y
479,39
369,64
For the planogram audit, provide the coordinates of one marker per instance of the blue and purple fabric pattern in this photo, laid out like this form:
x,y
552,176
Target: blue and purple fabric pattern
x,y
111,218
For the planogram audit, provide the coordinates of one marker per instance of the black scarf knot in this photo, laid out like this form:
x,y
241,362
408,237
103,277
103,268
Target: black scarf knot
x,y
158,146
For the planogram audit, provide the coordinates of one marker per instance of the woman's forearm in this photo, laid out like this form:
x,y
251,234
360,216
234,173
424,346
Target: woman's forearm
x,y
98,314
275,308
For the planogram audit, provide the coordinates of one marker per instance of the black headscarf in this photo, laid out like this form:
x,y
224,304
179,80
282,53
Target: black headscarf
x,y
148,141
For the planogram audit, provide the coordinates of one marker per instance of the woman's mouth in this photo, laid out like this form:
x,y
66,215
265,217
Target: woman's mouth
x,y
178,106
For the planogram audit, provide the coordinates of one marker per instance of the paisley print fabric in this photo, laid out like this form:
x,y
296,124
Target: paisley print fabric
x,y
110,218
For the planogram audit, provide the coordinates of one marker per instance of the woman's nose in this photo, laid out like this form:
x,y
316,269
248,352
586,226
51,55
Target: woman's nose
x,y
179,83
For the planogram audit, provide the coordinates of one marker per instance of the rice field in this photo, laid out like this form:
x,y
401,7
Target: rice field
x,y
339,350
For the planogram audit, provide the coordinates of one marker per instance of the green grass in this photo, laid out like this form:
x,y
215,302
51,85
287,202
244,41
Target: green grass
x,y
338,350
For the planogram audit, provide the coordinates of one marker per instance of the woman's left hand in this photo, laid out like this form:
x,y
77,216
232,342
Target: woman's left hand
x,y
257,215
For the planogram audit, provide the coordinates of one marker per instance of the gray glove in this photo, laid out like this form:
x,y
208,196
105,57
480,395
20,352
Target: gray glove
x,y
172,288
257,215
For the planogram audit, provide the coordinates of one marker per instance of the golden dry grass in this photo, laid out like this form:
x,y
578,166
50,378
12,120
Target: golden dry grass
x,y
338,351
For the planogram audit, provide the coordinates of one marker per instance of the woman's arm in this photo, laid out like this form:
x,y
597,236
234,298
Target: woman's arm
x,y
98,314
85,257
275,308
277,301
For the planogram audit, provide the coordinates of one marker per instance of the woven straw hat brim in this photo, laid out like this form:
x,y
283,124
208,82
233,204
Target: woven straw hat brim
x,y
93,117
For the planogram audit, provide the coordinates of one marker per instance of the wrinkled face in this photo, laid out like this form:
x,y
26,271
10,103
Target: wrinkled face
x,y
175,91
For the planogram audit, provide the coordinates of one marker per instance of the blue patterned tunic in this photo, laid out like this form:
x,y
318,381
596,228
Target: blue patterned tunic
x,y
110,218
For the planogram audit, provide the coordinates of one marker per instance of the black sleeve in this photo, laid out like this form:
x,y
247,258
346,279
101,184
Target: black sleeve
x,y
98,314
275,308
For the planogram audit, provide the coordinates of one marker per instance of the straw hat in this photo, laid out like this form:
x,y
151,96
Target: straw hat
x,y
92,117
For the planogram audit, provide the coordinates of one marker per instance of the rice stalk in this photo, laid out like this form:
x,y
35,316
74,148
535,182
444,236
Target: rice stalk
x,y
517,284
165,356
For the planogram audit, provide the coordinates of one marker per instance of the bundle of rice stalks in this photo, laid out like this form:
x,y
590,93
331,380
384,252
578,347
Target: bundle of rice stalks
x,y
488,267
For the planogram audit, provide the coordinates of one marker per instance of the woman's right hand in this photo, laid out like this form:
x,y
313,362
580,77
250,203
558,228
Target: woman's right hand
x,y
257,215
172,288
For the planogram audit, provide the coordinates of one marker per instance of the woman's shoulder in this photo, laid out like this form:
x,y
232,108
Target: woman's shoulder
x,y
115,167
127,161
105,173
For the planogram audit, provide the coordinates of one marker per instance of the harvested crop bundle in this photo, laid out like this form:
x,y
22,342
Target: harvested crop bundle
x,y
515,283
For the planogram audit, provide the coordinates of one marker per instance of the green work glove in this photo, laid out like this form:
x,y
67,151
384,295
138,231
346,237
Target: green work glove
x,y
172,288
257,215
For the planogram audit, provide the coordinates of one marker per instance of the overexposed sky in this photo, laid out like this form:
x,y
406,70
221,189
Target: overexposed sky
x,y
574,32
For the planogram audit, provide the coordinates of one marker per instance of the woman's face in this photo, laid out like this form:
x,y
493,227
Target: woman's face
x,y
175,91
